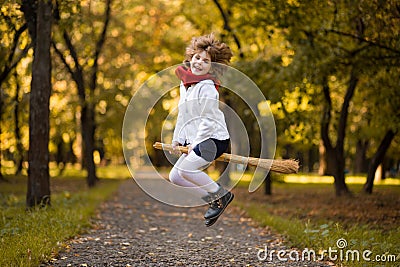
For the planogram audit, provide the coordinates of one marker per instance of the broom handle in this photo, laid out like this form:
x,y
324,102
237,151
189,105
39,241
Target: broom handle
x,y
224,157
273,165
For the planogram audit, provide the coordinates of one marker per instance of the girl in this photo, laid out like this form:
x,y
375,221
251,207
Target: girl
x,y
201,124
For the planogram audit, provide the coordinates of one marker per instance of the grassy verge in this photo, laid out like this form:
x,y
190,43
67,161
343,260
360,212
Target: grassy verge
x,y
313,225
323,238
28,238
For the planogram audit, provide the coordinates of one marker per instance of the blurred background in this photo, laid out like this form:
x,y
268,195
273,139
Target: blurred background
x,y
328,69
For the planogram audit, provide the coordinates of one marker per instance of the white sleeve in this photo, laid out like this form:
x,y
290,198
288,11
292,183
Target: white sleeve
x,y
209,105
179,134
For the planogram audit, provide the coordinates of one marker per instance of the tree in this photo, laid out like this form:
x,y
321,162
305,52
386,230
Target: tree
x,y
12,50
377,160
335,154
39,18
1,112
19,158
13,56
385,119
336,52
228,28
86,88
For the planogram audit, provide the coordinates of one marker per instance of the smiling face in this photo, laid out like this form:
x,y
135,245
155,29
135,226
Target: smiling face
x,y
200,64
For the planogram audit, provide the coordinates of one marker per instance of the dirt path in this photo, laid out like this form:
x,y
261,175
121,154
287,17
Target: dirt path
x,y
132,229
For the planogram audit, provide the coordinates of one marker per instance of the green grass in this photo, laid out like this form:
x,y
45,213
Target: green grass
x,y
322,234
28,238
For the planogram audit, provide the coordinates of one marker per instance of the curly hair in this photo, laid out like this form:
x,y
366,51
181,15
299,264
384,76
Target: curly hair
x,y
219,52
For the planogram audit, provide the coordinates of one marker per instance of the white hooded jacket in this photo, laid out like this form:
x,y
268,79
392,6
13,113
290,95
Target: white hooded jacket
x,y
199,116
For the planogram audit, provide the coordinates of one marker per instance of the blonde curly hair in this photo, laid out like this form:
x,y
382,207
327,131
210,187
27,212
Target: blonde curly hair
x,y
219,52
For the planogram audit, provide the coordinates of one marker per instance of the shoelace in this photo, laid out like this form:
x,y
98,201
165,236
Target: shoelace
x,y
215,204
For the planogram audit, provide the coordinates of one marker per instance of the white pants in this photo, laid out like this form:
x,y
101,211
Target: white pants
x,y
187,172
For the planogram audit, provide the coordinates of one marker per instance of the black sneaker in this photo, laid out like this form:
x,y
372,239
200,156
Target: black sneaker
x,y
213,208
210,222
218,206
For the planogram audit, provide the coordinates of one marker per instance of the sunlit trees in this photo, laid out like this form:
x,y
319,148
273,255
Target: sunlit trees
x,y
328,69
14,43
337,45
85,74
337,48
14,47
383,117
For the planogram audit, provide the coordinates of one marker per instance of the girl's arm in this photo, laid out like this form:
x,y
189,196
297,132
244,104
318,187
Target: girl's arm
x,y
179,135
209,106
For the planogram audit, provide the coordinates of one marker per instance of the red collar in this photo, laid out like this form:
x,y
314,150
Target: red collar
x,y
188,78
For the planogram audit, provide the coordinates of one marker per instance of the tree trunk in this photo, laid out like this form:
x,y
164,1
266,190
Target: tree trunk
x,y
1,116
331,163
228,28
360,160
377,159
88,112
38,178
224,170
340,183
20,150
327,160
311,159
322,169
379,173
268,185
87,122
339,174
223,167
335,154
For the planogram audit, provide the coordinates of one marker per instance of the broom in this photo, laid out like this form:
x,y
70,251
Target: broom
x,y
285,166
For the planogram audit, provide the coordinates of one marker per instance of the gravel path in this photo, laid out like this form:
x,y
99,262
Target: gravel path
x,y
132,229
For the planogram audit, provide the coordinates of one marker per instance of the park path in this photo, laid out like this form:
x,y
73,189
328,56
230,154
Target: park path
x,y
133,229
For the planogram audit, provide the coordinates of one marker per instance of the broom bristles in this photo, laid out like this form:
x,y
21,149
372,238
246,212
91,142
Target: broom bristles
x,y
285,166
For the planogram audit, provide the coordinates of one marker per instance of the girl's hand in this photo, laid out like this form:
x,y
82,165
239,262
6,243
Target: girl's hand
x,y
189,148
175,150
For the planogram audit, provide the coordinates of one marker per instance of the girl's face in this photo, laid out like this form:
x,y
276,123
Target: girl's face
x,y
200,63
